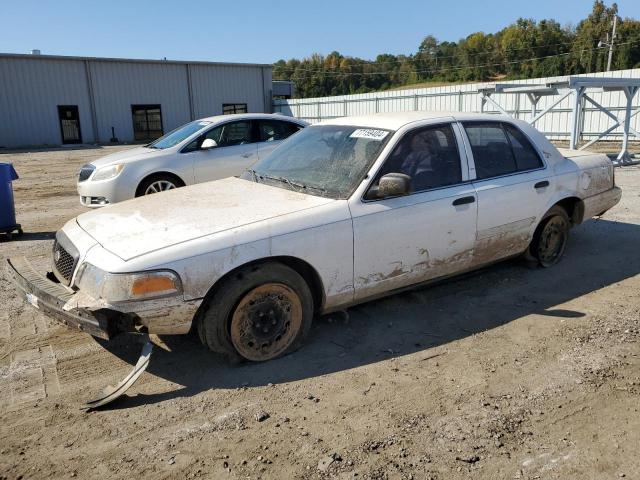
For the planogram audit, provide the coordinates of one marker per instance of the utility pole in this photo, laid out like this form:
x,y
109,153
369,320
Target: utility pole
x,y
613,39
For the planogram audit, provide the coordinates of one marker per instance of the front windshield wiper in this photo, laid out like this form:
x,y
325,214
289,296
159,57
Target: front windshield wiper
x,y
253,174
294,185
151,145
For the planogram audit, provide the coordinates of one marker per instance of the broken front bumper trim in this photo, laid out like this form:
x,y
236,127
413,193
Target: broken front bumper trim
x,y
51,297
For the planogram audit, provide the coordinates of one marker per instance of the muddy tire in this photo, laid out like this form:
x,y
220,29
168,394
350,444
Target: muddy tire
x,y
260,313
158,183
550,238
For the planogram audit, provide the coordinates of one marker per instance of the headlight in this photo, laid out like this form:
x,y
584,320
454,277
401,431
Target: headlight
x,y
105,173
126,287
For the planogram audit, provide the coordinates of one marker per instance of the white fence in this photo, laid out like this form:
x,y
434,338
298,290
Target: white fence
x,y
465,98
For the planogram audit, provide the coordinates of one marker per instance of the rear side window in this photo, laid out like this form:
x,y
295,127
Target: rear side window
x,y
273,130
526,156
491,149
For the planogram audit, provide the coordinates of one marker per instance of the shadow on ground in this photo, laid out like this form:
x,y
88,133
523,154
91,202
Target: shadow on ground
x,y
600,253
29,236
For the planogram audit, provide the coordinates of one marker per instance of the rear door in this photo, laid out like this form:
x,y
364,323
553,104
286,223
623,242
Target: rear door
x,y
236,151
271,133
513,186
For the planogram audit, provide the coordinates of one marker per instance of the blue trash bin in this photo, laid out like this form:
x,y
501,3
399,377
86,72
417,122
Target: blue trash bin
x,y
7,208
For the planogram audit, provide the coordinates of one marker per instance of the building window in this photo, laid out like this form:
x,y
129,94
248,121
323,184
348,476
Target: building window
x,y
147,122
229,108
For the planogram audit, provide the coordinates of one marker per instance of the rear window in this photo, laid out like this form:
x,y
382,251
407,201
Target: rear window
x,y
491,149
526,156
275,130
500,149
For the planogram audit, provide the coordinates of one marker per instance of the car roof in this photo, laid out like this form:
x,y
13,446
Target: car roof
x,y
397,120
252,116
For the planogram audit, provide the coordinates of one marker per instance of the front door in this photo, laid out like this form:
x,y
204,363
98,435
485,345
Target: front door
x,y
427,234
235,152
69,124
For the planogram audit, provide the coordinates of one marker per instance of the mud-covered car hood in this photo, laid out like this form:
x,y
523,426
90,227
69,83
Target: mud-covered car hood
x,y
146,224
127,156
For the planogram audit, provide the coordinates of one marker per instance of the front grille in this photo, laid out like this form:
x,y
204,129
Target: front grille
x,y
85,172
63,261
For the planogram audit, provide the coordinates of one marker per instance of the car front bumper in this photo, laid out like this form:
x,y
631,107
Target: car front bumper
x,y
50,298
105,192
60,303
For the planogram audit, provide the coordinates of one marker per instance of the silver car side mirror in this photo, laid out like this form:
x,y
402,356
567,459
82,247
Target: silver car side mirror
x,y
208,144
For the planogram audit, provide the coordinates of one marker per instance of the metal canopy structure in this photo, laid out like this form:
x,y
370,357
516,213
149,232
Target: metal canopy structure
x,y
578,87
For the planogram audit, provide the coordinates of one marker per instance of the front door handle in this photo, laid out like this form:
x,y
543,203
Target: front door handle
x,y
542,184
463,201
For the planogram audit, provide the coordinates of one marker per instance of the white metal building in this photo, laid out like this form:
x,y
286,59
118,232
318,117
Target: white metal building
x,y
54,100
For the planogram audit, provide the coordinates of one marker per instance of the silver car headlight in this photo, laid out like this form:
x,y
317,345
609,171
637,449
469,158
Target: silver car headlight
x,y
107,173
127,287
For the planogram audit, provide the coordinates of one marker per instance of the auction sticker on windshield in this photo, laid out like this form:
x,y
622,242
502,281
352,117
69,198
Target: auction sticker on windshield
x,y
369,133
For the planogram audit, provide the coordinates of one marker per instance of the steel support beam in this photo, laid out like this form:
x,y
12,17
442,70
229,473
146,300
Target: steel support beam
x,y
548,109
623,156
575,117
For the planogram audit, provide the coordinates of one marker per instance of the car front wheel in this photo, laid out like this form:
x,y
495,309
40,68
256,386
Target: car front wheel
x,y
260,313
157,184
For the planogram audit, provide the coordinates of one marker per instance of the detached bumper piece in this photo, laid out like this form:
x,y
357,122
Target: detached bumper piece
x,y
113,392
50,298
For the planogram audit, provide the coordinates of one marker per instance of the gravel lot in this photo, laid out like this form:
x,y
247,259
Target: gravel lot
x,y
506,373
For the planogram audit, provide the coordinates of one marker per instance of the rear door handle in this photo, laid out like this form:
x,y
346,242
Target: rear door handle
x,y
542,184
463,201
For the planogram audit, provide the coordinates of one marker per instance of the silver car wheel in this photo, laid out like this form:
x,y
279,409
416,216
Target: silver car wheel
x,y
159,186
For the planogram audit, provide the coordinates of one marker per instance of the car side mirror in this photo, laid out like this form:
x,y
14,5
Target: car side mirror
x,y
390,185
208,144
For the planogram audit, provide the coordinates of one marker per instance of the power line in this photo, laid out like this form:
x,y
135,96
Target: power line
x,y
360,62
512,62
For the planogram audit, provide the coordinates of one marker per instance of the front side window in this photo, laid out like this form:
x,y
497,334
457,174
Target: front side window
x,y
231,134
274,130
491,149
327,160
429,156
231,108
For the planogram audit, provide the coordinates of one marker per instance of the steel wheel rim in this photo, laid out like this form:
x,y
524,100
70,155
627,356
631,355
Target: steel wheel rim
x,y
159,186
266,322
553,239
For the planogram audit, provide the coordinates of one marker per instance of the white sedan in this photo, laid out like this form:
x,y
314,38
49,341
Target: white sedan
x,y
346,210
206,149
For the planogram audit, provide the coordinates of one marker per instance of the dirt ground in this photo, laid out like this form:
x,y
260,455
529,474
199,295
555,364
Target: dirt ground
x,y
506,373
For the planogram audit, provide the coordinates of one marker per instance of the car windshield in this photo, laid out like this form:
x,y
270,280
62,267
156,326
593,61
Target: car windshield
x,y
325,160
178,135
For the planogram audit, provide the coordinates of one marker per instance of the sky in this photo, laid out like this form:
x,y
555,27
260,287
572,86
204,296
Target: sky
x,y
262,31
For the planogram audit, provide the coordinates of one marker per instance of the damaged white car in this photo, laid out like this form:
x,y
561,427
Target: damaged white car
x,y
345,211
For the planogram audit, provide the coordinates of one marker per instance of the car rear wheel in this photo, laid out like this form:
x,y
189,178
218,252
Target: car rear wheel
x,y
260,313
157,184
550,238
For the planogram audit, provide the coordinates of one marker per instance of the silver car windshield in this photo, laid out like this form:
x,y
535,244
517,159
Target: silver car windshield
x,y
324,160
178,135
